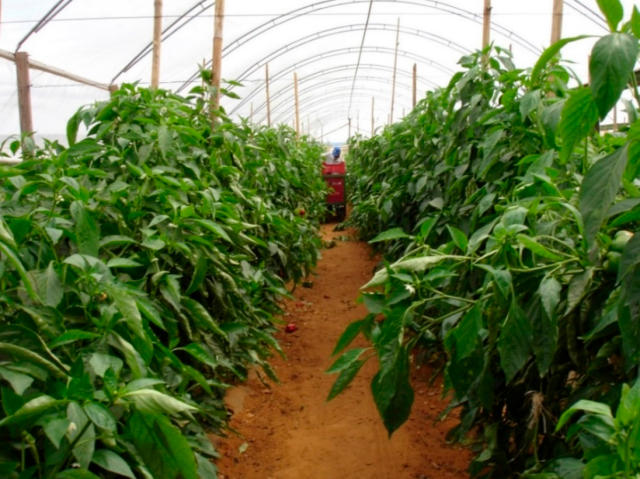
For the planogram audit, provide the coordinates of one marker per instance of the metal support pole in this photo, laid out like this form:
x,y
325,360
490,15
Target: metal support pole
x,y
157,32
24,92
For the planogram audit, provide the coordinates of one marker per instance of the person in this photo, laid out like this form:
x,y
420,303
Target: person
x,y
333,157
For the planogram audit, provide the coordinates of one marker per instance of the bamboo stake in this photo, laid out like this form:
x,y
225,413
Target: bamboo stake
x,y
35,65
24,92
217,56
415,85
157,32
295,92
395,68
266,73
556,22
373,99
486,24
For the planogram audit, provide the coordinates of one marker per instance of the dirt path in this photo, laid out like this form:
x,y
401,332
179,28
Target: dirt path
x,y
289,431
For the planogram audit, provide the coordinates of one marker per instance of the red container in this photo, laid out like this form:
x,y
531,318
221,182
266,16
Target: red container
x,y
334,176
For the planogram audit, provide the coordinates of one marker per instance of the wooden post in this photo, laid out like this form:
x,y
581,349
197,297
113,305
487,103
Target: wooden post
x,y
486,24
157,32
266,74
217,56
295,93
556,22
373,129
24,93
415,85
395,68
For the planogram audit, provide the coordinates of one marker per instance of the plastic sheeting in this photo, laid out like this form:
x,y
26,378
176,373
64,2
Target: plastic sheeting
x,y
320,40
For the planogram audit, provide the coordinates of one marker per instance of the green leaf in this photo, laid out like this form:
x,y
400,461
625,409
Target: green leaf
x,y
122,263
613,12
611,66
72,129
214,228
49,286
550,53
86,230
549,292
55,429
391,234
6,235
418,264
344,379
100,416
164,140
598,190
17,264
346,360
537,248
18,381
162,447
112,462
154,402
501,278
629,408
578,119
116,240
348,336
82,433
578,288
462,340
635,21
514,342
100,363
458,237
125,303
630,257
392,392
31,356
584,405
202,317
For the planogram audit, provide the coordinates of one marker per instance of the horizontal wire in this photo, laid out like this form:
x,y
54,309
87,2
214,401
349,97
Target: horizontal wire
x,y
262,15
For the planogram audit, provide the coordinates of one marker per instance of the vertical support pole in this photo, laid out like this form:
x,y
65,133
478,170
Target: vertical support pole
x,y
373,121
24,92
395,68
217,56
556,22
486,24
349,132
414,86
266,74
157,32
251,114
295,93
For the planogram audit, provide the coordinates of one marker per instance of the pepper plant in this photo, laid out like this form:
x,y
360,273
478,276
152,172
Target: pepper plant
x,y
499,207
140,271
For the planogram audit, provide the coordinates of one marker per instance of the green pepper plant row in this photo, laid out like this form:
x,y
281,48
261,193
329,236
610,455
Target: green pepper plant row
x,y
140,271
504,214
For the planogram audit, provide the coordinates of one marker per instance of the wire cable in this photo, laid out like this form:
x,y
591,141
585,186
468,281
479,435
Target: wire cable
x,y
355,73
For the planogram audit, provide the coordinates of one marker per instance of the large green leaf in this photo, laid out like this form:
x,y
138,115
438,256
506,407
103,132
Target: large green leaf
x,y
549,53
390,234
112,462
155,402
598,190
81,435
611,65
162,447
578,119
345,377
514,343
392,392
86,229
613,12
49,286
33,408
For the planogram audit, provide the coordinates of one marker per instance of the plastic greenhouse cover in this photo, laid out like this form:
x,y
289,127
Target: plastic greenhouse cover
x,y
340,67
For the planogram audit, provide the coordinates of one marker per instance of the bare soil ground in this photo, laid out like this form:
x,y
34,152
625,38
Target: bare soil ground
x,y
289,431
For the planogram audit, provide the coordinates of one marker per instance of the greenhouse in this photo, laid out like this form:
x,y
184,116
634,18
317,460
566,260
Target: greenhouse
x,y
315,239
